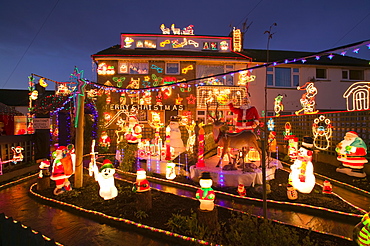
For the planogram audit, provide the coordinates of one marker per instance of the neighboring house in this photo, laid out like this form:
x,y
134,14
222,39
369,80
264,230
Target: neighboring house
x,y
14,109
330,76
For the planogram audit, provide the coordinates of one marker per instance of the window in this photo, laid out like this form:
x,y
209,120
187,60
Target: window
x,y
282,77
353,74
321,73
133,67
172,68
210,70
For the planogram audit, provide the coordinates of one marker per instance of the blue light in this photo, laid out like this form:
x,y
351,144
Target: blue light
x,y
317,58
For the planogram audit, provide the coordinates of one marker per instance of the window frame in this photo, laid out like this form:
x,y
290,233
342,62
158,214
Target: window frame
x,y
178,68
326,74
349,78
294,77
128,63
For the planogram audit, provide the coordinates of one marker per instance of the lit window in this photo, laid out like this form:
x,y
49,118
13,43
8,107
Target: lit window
x,y
133,67
172,68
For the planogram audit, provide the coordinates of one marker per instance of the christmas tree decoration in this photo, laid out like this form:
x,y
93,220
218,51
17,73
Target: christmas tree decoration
x,y
206,194
302,176
322,131
141,184
352,153
361,232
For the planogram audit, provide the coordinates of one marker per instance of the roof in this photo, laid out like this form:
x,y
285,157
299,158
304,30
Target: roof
x,y
4,109
17,97
281,55
116,51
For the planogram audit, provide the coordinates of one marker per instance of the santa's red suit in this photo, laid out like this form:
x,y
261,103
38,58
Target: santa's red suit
x,y
351,152
248,117
63,168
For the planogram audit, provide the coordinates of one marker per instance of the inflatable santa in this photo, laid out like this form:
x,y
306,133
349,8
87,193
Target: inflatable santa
x,y
247,116
351,152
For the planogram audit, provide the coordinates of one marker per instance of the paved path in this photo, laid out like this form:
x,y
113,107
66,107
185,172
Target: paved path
x,y
64,227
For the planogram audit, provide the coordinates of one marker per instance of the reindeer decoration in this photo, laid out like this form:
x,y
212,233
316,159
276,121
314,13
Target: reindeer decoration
x,y
242,140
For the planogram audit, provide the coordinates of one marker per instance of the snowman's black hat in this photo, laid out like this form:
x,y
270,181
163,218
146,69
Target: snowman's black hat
x,y
206,175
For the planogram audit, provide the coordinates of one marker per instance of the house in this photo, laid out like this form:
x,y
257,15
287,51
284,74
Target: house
x,y
181,74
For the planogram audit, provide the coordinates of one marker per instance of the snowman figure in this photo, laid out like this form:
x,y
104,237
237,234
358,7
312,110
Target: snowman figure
x,y
206,194
174,137
105,178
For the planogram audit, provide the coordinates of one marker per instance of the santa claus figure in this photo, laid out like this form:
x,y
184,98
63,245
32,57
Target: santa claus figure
x,y
104,141
327,187
241,190
133,133
351,152
141,184
63,168
247,116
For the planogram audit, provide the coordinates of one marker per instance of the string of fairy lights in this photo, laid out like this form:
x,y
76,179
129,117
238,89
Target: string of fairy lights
x,y
200,81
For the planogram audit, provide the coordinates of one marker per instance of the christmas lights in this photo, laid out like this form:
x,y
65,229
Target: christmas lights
x,y
322,131
357,96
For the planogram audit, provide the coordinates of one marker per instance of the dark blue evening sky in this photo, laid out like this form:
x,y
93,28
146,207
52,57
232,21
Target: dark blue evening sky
x,y
51,37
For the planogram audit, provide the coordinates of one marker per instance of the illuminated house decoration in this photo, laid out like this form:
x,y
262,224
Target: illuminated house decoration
x,y
208,94
322,132
186,69
104,69
165,30
42,82
173,42
308,99
192,137
245,77
357,96
278,105
177,31
237,40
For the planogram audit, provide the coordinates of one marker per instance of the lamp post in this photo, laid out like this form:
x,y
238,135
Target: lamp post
x,y
264,143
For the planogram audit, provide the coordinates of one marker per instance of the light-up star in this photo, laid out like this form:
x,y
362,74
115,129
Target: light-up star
x,y
191,99
317,58
343,53
331,56
356,50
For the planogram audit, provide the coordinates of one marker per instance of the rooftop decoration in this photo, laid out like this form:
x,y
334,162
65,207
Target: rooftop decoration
x,y
177,31
357,96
